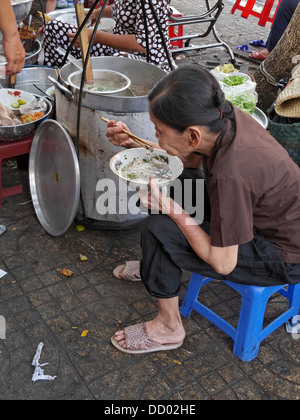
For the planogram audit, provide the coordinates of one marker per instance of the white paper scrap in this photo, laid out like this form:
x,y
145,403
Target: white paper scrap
x,y
2,273
39,372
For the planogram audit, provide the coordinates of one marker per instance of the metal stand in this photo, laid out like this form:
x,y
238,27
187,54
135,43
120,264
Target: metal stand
x,y
210,17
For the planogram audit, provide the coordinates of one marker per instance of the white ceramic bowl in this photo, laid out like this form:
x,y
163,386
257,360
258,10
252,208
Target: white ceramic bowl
x,y
121,159
11,96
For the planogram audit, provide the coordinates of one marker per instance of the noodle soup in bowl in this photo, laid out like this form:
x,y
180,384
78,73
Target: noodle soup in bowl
x,y
137,166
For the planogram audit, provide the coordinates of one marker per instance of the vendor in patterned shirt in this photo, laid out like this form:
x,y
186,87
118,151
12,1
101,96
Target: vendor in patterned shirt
x,y
129,37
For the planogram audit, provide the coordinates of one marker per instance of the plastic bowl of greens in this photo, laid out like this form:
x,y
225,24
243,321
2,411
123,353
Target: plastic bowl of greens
x,y
240,90
246,101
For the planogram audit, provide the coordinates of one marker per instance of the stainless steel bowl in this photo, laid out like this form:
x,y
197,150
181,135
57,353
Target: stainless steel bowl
x,y
21,9
18,132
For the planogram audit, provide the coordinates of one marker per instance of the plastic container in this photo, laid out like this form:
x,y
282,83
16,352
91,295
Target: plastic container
x,y
242,95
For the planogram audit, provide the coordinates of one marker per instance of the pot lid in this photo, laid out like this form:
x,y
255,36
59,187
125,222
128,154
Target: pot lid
x,y
54,178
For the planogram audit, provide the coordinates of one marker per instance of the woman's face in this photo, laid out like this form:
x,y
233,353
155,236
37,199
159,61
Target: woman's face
x,y
173,142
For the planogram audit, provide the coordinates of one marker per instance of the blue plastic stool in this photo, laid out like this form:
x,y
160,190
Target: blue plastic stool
x,y
249,333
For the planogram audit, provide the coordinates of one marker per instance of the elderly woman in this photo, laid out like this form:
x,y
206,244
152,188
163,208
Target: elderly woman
x,y
129,37
253,236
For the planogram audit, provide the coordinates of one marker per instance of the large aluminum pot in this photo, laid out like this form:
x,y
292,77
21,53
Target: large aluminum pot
x,y
141,74
94,149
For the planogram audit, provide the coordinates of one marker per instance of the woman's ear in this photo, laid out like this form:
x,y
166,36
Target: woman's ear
x,y
194,137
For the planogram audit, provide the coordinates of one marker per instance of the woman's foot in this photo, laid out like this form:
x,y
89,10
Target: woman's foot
x,y
128,271
148,337
165,332
260,55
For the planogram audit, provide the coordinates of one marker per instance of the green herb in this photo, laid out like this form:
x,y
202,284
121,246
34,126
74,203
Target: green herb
x,y
234,80
245,101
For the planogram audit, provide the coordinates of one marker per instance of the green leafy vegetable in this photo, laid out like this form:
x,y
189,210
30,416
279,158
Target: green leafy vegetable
x,y
244,101
234,80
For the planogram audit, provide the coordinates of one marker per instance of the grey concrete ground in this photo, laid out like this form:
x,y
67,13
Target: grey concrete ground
x,y
40,305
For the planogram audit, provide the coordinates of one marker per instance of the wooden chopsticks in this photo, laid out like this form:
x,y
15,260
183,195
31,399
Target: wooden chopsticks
x,y
138,140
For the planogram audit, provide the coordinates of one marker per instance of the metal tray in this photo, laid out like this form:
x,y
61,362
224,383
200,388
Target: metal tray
x,y
54,178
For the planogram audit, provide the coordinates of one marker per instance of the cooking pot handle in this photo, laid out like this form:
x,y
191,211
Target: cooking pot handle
x,y
61,88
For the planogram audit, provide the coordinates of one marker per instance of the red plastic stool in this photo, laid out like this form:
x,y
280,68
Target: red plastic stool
x,y
10,150
175,31
264,15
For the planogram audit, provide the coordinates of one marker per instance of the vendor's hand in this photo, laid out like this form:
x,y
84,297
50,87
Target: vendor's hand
x,y
71,36
94,15
116,136
14,53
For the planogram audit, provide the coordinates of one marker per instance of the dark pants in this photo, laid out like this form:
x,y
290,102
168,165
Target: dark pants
x,y
166,252
282,19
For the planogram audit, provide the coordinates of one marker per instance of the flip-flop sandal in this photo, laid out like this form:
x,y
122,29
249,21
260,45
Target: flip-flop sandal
x,y
258,43
257,56
128,271
138,341
244,48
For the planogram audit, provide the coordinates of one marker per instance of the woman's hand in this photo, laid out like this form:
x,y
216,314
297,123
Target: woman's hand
x,y
116,136
156,201
94,16
71,36
107,13
15,54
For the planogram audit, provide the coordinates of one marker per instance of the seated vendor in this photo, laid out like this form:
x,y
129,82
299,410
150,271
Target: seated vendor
x,y
253,233
129,37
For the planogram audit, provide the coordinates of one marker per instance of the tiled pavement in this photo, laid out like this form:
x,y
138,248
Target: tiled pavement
x,y
40,305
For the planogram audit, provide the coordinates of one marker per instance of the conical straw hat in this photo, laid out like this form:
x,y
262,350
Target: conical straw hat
x,y
288,101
